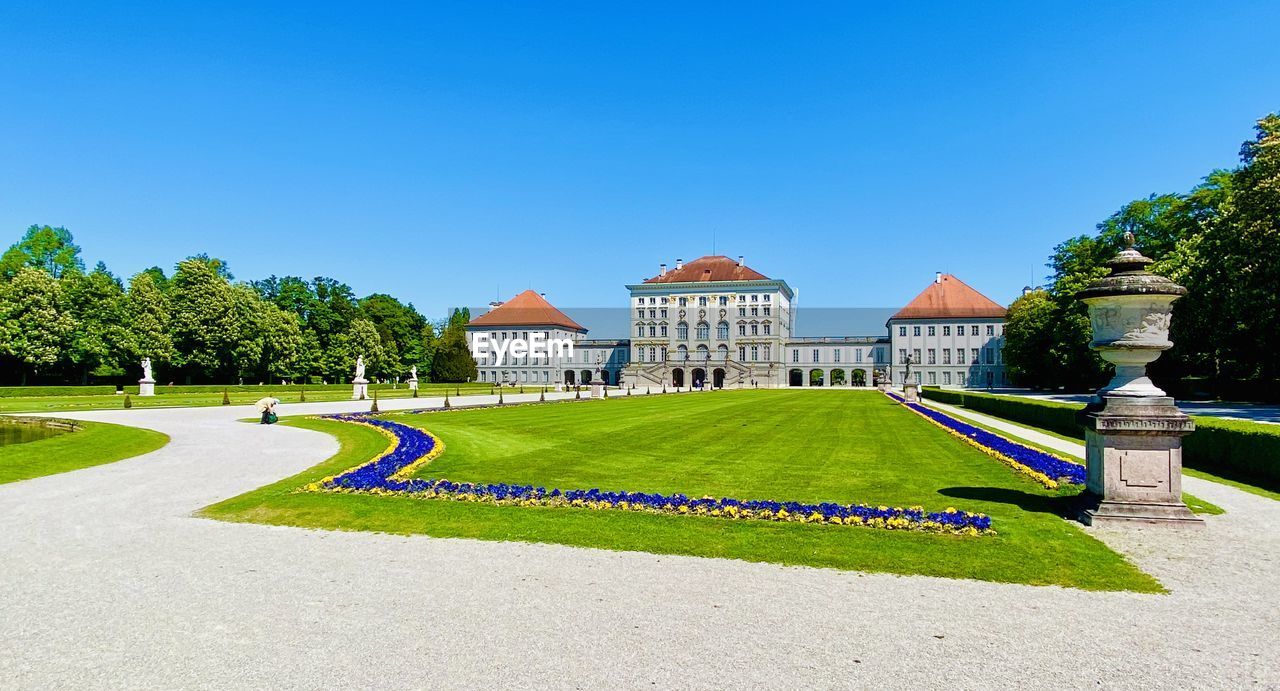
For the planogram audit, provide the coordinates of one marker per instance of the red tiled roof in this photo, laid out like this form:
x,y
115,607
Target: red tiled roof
x,y
950,297
709,268
526,309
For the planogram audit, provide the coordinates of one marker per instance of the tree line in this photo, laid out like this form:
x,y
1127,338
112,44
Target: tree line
x,y
1221,240
62,324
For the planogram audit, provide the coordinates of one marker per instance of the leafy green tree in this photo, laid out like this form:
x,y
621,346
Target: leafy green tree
x,y
35,326
1029,340
146,320
453,361
51,250
204,320
99,343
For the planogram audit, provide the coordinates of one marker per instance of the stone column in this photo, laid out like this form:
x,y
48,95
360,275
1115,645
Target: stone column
x,y
1133,436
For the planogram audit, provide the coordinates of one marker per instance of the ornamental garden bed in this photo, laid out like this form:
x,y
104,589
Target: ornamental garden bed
x,y
840,450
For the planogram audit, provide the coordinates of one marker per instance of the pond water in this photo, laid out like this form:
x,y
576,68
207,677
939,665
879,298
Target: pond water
x,y
19,433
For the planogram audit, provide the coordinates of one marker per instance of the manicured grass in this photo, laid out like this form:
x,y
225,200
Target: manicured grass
x,y
783,445
93,443
238,395
1196,504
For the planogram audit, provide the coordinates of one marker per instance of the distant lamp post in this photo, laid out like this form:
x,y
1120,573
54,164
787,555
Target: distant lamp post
x,y
1133,430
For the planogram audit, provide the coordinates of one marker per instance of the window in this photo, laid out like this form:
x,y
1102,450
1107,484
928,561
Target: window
x,y
902,331
742,311
918,377
640,313
663,312
704,331
933,356
915,355
653,331
959,356
946,379
722,331
724,300
742,298
702,301
640,330
815,355
836,355
640,354
663,330
755,311
915,331
946,356
960,378
766,298
663,350
755,353
742,329
973,330
988,356
766,328
975,353
795,355
742,353
902,356
684,302
766,351
933,379
755,329
754,298
991,330
682,331
857,355
766,310
946,330
931,331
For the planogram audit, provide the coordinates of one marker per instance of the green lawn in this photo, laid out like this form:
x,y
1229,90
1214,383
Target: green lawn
x,y
93,443
784,445
177,398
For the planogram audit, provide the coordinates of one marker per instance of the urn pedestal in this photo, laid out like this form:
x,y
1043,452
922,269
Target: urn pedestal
x,y
597,388
413,383
1133,431
146,387
911,392
359,389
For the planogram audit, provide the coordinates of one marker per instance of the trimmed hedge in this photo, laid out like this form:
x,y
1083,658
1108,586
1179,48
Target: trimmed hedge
x,y
25,391
1236,449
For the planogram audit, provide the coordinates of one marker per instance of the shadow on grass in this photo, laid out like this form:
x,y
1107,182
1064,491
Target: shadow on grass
x,y
1063,506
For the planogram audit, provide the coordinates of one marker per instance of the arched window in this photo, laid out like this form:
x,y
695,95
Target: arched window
x,y
722,331
704,331
682,352
703,353
682,331
722,352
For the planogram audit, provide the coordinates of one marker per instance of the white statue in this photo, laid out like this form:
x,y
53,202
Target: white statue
x,y
146,368
359,367
413,372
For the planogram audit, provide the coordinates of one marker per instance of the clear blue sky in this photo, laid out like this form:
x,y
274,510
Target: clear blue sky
x,y
444,153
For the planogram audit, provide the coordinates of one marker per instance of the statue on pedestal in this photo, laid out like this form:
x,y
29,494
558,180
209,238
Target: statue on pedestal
x,y
359,367
146,369
359,385
147,384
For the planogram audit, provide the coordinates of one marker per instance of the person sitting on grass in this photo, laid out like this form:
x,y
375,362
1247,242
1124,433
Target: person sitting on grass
x,y
267,406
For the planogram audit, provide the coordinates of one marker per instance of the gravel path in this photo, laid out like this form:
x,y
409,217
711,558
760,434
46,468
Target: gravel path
x,y
108,581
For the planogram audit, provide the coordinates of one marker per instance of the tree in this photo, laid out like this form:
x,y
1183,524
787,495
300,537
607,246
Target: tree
x,y
453,361
204,323
96,301
51,250
1029,340
146,317
34,324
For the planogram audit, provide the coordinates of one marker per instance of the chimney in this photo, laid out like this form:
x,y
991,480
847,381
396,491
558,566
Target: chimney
x,y
937,277
739,261
662,269
542,295
679,264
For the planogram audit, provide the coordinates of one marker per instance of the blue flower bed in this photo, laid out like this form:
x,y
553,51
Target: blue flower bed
x,y
413,445
1047,468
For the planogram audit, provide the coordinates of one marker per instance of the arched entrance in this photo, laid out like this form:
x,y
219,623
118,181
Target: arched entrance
x,y
795,378
569,377
699,377
717,378
859,377
677,378
837,377
815,377
604,376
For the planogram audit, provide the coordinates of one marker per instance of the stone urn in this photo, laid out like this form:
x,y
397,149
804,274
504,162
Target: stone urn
x,y
1133,431
1130,311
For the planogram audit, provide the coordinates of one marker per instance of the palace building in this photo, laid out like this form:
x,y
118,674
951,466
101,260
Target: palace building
x,y
715,322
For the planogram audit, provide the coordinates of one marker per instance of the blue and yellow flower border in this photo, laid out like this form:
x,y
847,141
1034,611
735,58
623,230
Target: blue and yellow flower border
x,y
1047,469
409,449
